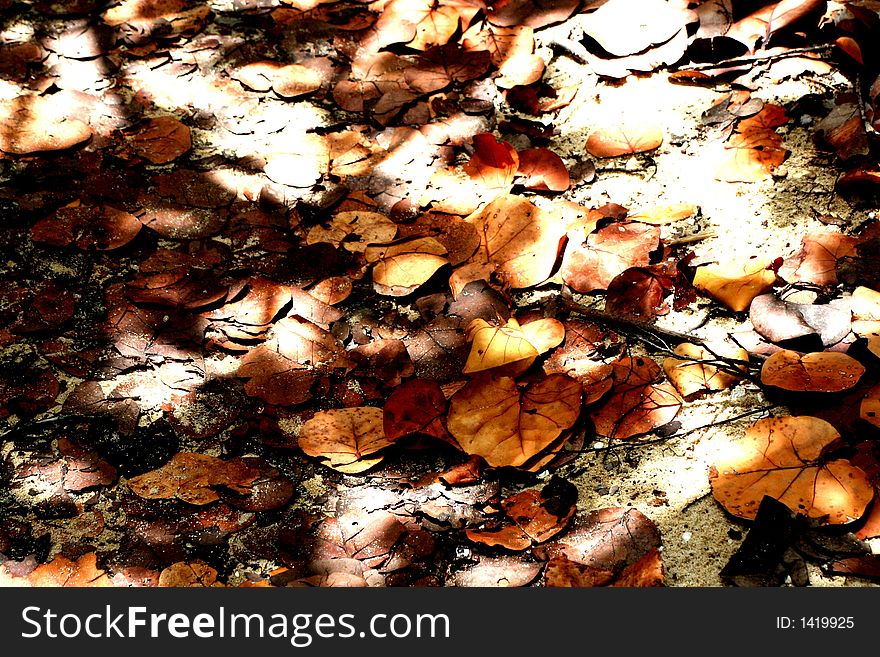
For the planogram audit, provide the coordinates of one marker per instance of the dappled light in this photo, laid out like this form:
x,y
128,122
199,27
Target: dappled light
x,y
436,293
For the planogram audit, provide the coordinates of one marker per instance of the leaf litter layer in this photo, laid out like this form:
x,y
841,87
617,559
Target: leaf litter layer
x,y
312,293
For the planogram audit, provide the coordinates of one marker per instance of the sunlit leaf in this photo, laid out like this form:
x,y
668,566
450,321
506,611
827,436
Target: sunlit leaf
x,y
491,417
785,458
346,439
815,372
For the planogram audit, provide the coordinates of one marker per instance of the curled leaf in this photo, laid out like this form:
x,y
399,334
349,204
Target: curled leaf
x,y
735,283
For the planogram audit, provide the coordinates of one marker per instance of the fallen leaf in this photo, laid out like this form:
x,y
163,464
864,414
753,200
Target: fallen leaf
x,y
754,151
785,458
416,407
491,417
844,129
606,541
816,261
662,215
103,228
587,355
493,164
195,574
638,292
402,267
518,247
191,477
161,140
697,374
614,141
637,403
510,344
531,517
64,572
37,124
593,263
520,69
626,27
543,170
532,13
354,230
779,320
346,439
504,571
813,372
736,282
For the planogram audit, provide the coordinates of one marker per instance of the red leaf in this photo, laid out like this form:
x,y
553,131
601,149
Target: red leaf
x,y
543,170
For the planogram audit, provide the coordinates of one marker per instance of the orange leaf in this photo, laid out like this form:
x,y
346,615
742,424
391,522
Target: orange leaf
x,y
37,124
519,245
783,458
497,346
62,572
817,372
531,517
354,230
491,417
189,575
520,69
494,163
666,214
624,140
585,357
162,140
192,478
691,377
402,267
346,439
735,283
754,151
543,170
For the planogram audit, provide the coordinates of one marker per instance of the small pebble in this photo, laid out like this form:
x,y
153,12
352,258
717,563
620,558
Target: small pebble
x,y
686,536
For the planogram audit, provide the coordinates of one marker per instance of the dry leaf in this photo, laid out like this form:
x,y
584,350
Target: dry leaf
x,y
400,268
354,230
491,417
735,283
783,458
346,439
691,377
192,477
815,372
510,344
624,140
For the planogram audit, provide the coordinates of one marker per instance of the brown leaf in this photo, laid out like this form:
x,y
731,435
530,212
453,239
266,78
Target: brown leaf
x,y
614,141
195,574
638,292
416,407
191,477
422,23
441,66
816,261
103,228
504,571
592,264
586,355
161,140
346,439
543,170
814,372
532,13
493,418
607,540
637,404
531,517
520,69
785,459
736,282
844,129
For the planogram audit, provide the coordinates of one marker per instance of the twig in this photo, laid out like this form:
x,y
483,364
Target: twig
x,y
752,59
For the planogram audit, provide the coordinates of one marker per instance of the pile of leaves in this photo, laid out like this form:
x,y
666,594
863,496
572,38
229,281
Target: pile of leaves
x,y
256,245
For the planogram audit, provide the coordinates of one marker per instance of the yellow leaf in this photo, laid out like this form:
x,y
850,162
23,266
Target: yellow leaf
x,y
735,283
